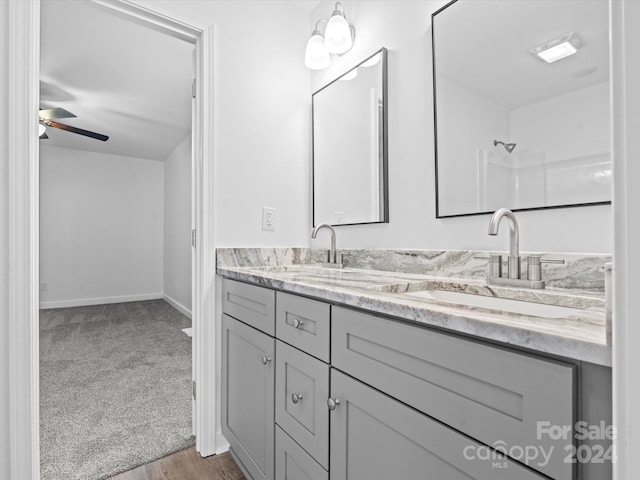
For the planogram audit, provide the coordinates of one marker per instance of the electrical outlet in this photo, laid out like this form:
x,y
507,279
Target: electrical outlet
x,y
268,218
338,218
44,286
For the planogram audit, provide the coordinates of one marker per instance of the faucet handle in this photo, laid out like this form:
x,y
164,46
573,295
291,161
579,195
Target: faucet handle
x,y
495,264
534,266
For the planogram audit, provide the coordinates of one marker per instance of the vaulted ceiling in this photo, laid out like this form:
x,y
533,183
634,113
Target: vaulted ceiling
x,y
121,79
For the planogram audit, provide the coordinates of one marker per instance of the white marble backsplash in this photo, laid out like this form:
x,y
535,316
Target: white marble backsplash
x,y
580,271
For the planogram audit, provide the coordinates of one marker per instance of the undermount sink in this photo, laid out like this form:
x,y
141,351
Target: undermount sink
x,y
496,303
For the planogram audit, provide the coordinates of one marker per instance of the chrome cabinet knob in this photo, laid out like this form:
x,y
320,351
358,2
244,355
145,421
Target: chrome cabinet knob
x,y
296,397
297,323
333,403
265,359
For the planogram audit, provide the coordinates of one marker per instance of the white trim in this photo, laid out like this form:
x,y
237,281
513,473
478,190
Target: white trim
x,y
22,139
148,18
177,305
84,302
208,432
625,77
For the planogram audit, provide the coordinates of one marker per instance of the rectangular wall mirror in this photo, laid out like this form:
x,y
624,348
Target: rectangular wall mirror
x,y
513,130
350,146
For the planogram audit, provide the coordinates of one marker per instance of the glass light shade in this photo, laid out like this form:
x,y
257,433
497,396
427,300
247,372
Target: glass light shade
x,y
316,55
337,36
41,129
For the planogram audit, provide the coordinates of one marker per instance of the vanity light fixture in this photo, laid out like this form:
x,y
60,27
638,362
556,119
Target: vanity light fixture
x,y
558,48
338,39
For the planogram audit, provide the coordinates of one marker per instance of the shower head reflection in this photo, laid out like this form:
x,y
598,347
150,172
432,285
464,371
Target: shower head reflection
x,y
507,146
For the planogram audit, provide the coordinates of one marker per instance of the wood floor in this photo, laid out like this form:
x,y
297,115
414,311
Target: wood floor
x,y
186,465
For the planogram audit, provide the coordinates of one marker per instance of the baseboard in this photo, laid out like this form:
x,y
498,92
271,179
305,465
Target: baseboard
x,y
177,305
83,302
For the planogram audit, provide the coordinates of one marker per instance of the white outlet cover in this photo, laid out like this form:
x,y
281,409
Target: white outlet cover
x,y
268,218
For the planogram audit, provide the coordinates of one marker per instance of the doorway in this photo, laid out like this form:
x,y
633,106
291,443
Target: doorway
x,y
22,144
115,248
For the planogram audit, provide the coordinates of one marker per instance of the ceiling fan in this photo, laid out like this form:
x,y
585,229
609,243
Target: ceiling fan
x,y
48,115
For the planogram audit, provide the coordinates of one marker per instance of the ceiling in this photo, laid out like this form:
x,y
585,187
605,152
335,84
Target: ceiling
x,y
121,79
484,47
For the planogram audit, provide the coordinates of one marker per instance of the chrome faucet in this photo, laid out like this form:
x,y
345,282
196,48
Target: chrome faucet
x,y
332,252
514,277
513,266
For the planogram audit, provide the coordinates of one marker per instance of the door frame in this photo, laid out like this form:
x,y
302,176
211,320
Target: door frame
x,y
23,146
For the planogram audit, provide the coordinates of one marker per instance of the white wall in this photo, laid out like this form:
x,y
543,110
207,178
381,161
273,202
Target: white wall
x,y
5,431
404,26
262,124
101,227
177,226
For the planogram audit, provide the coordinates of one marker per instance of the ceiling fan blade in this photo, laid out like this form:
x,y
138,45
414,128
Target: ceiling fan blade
x,y
80,131
49,113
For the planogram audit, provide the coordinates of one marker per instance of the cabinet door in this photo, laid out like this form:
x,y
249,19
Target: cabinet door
x,y
375,437
248,396
302,389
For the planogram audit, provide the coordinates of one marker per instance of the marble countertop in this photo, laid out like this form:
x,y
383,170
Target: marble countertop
x,y
581,336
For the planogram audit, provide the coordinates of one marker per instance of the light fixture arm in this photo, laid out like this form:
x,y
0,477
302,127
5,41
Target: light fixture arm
x,y
339,11
317,27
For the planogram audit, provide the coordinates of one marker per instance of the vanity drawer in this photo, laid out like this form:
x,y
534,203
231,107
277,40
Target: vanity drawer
x,y
302,390
250,304
303,323
293,463
489,393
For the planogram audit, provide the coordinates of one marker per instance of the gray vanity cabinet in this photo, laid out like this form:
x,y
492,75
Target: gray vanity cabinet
x,y
375,437
346,394
248,377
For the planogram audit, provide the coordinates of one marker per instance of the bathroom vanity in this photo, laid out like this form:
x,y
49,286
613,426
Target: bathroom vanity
x,y
353,374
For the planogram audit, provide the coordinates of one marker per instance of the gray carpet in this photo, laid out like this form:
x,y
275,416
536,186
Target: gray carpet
x,y
115,388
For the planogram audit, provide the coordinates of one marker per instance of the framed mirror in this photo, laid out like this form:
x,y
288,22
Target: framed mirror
x,y
514,129
350,146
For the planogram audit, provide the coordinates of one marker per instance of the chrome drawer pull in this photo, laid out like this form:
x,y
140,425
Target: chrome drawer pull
x,y
297,323
265,360
333,404
296,397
